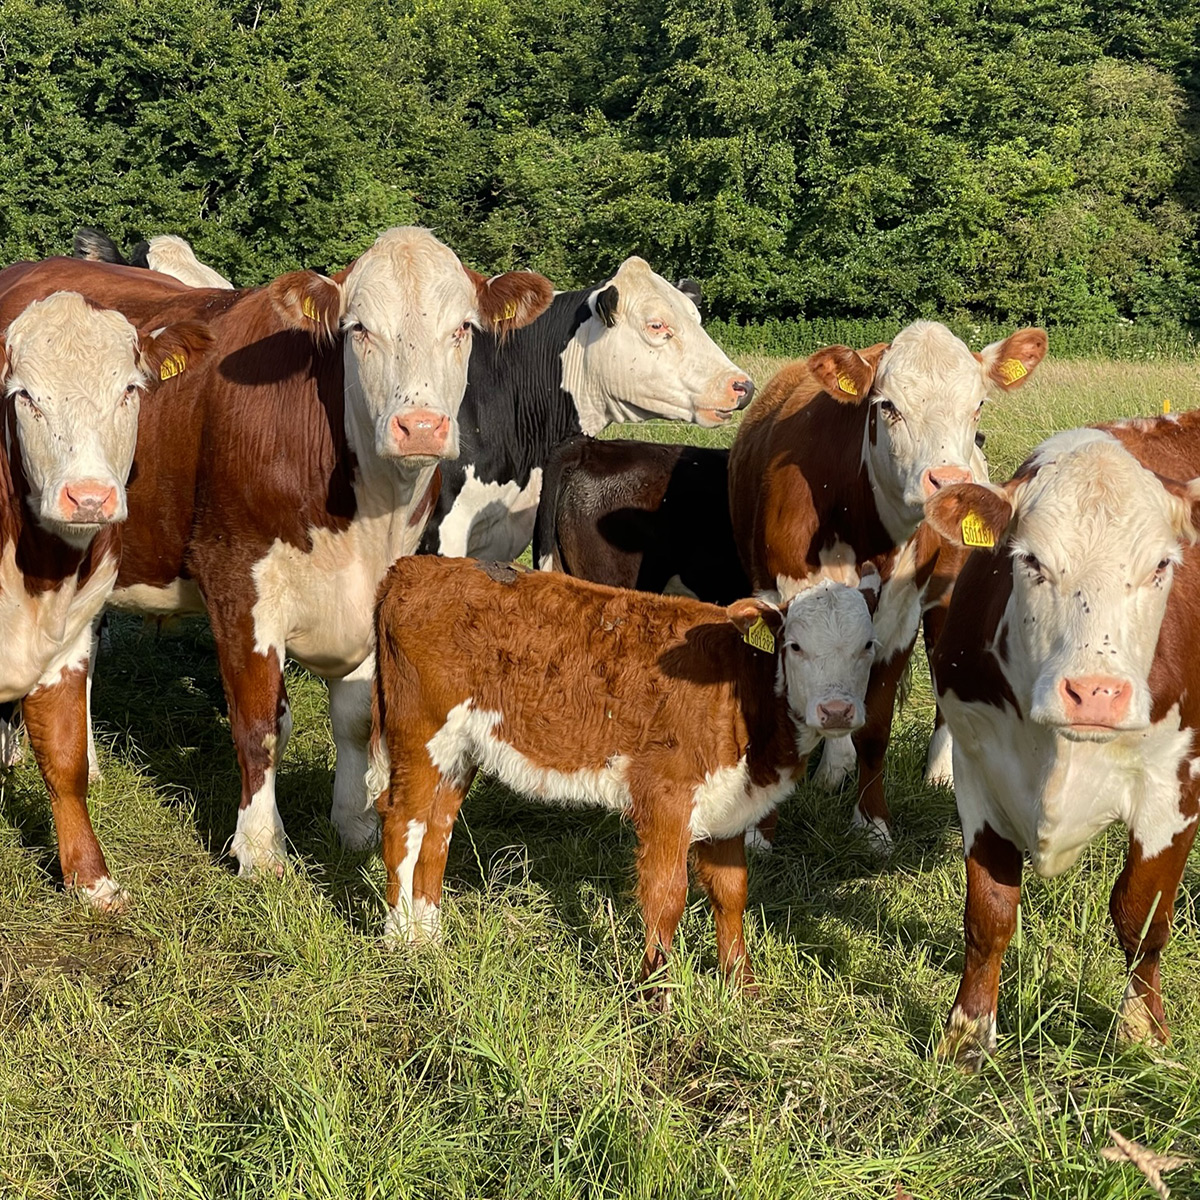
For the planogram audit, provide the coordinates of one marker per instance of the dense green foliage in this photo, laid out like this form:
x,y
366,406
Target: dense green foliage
x,y
1019,159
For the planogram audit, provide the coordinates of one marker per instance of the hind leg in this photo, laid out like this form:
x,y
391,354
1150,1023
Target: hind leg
x,y
664,838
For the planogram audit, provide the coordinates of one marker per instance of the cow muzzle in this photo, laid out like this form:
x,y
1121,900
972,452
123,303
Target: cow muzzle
x,y
738,394
419,433
1095,703
88,502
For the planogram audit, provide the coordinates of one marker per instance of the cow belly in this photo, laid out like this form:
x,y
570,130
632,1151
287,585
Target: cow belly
x,y
49,633
491,520
179,598
726,803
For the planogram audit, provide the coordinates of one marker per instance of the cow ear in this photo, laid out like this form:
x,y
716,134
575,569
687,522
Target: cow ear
x,y
605,305
870,583
168,352
975,515
691,289
751,615
844,373
1186,505
511,300
308,301
1008,364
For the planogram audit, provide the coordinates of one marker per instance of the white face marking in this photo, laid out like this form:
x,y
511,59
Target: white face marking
x,y
409,310
490,520
654,361
75,381
928,393
171,255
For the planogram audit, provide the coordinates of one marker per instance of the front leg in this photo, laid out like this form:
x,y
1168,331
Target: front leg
x,y
721,872
993,893
56,718
352,814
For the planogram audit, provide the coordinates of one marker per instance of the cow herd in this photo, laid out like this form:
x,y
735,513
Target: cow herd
x,y
338,468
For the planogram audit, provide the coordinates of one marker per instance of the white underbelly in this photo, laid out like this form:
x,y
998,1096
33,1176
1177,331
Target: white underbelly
x,y
178,598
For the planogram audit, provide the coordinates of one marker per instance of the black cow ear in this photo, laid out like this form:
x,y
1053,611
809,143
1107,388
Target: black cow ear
x,y
691,289
141,255
606,305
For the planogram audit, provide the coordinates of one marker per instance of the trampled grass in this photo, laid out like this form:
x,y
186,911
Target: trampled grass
x,y
254,1038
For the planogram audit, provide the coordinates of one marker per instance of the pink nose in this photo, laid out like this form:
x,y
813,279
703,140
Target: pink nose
x,y
419,431
88,501
836,714
1095,699
940,477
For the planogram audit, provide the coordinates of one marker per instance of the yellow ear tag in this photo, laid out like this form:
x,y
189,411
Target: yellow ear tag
x,y
1012,369
510,311
760,637
976,533
1166,408
846,384
308,306
172,365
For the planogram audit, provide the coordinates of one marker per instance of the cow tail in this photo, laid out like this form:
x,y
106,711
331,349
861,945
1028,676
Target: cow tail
x,y
564,458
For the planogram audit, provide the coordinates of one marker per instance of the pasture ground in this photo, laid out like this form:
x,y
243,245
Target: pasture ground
x,y
254,1038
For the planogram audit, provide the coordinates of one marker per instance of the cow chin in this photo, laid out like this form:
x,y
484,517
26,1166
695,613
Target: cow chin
x,y
1089,733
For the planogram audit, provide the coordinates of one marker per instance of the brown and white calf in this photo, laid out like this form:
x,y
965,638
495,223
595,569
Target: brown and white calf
x,y
652,706
835,458
72,378
1069,677
275,482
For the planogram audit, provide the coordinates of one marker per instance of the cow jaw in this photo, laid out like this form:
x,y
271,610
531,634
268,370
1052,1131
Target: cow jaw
x,y
643,354
74,379
409,310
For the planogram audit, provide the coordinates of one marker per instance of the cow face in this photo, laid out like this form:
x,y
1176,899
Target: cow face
x,y
926,392
1092,538
74,375
642,353
408,307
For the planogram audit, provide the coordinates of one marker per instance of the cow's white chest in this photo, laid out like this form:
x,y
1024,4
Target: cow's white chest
x,y
899,611
726,803
41,636
491,520
1050,796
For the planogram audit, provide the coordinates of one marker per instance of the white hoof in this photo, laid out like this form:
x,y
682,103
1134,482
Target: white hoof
x,y
258,844
358,830
939,763
756,843
1137,1025
968,1040
838,761
105,895
875,829
408,927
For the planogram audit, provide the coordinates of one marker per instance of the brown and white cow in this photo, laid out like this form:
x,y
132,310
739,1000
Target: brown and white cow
x,y
1068,675
652,706
836,456
72,378
275,482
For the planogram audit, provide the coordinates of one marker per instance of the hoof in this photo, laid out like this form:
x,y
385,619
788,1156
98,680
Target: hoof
x,y
756,843
1138,1026
968,1040
876,831
105,895
358,831
838,760
410,927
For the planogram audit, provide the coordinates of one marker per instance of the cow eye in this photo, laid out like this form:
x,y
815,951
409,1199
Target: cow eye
x,y
870,646
130,393
23,398
657,327
1031,564
1162,567
350,325
461,332
796,649
890,411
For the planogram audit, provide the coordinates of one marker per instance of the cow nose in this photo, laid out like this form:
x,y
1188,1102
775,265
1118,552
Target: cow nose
x,y
940,477
88,501
419,431
1095,699
835,714
743,390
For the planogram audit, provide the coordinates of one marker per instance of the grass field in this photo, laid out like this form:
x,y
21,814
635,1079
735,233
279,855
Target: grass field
x,y
254,1038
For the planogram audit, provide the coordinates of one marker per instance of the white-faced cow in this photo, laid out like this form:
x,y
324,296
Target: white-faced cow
x,y
167,254
651,706
1069,676
833,461
72,378
276,481
629,349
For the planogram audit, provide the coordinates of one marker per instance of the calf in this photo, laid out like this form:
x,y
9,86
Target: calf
x,y
166,254
72,378
690,719
1068,675
833,460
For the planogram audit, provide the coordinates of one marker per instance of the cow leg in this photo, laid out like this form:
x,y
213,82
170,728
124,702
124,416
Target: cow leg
x,y
662,882
761,837
350,714
56,718
993,893
837,762
425,919
1144,899
11,747
94,772
939,762
721,871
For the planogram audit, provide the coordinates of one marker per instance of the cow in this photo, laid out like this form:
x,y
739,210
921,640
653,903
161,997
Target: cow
x,y
833,460
276,481
628,349
690,719
1068,676
166,253
640,515
72,378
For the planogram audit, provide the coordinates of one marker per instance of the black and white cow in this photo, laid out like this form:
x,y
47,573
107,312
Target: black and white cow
x,y
629,349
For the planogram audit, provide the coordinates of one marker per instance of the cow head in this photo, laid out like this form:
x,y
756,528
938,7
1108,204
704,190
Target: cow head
x,y
1092,538
825,643
407,308
73,376
926,392
642,353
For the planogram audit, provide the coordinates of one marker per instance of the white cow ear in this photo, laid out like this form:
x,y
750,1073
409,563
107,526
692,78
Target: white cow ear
x,y
605,305
308,301
1008,364
975,515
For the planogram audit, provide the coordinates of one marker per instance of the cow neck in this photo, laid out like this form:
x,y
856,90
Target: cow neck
x,y
774,740
894,517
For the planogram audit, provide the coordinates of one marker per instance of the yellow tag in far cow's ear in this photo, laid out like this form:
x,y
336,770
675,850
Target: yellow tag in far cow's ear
x,y
510,311
1166,408
760,637
172,365
308,306
976,533
847,384
1012,369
